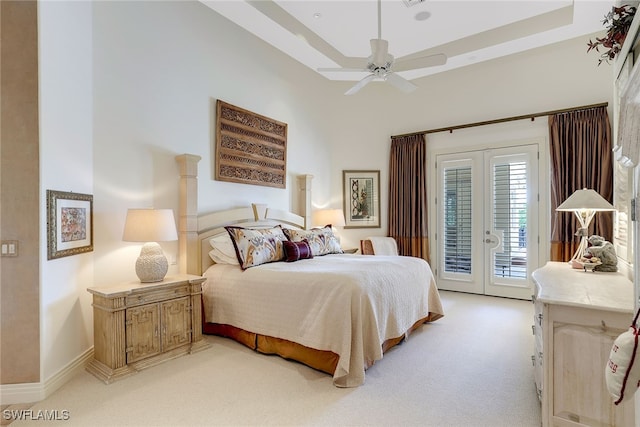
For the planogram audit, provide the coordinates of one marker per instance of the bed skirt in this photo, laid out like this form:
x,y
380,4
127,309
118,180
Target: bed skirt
x,y
321,360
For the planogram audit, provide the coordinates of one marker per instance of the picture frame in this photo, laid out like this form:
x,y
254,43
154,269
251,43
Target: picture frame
x,y
361,196
69,223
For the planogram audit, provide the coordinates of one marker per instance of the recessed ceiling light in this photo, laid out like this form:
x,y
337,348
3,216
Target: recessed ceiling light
x,y
422,16
317,15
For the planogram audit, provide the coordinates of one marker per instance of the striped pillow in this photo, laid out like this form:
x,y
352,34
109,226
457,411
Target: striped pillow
x,y
295,251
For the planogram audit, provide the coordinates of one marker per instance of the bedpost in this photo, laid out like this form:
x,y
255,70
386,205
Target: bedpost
x,y
304,184
188,247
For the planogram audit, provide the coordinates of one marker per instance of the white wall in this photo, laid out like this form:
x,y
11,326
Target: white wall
x,y
159,68
126,86
66,157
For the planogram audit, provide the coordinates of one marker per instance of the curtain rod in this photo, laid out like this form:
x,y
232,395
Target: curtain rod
x,y
506,119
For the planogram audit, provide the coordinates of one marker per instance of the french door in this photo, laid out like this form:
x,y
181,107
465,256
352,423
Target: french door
x,y
487,207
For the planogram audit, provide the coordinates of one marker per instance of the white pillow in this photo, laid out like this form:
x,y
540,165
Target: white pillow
x,y
622,373
223,251
220,258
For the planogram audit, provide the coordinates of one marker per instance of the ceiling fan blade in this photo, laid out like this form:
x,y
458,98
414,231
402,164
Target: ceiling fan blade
x,y
400,82
379,51
422,62
360,84
359,70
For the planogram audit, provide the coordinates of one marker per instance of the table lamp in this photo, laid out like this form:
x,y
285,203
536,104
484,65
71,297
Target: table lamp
x,y
335,217
150,226
584,204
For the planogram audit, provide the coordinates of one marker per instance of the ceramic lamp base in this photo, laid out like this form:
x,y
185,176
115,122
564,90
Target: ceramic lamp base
x,y
151,265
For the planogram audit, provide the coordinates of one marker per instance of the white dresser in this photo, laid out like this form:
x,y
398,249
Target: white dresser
x,y
577,317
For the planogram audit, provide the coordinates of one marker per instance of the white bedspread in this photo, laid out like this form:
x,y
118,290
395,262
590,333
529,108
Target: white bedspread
x,y
348,304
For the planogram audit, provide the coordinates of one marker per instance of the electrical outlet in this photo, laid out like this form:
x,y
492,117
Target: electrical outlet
x,y
9,248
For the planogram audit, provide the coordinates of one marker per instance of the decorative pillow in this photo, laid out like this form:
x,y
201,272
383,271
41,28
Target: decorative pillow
x,y
223,251
257,246
295,251
622,373
321,240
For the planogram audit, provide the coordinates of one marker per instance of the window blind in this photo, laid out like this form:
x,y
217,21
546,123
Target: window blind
x,y
510,218
457,220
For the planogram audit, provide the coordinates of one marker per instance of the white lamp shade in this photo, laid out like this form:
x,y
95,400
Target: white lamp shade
x,y
584,204
335,217
585,199
150,225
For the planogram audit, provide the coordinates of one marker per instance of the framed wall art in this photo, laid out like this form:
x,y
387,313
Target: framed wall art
x,y
361,194
250,148
69,223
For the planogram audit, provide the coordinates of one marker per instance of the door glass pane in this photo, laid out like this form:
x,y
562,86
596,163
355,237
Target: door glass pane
x,y
457,220
510,219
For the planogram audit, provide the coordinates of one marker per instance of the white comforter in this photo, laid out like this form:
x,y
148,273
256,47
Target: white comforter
x,y
348,304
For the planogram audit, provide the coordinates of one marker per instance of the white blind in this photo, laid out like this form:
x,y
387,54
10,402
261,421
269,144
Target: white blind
x,y
621,200
457,220
510,218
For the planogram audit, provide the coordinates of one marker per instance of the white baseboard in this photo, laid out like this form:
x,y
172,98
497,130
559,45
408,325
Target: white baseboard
x,y
11,394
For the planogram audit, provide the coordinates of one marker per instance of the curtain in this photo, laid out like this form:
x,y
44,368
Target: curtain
x,y
581,157
408,195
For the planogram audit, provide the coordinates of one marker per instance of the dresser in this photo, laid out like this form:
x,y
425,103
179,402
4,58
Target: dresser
x,y
138,325
577,316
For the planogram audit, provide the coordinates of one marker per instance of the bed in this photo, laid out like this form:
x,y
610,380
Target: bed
x,y
335,312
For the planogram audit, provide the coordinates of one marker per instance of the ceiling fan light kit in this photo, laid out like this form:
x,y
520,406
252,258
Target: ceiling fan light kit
x,y
381,65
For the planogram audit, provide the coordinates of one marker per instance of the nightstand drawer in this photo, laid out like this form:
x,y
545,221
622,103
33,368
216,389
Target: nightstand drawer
x,y
157,295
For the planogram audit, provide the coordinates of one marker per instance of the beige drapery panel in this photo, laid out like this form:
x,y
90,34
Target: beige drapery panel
x,y
580,151
408,195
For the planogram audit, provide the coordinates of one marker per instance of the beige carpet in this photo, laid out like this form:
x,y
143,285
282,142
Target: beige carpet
x,y
470,368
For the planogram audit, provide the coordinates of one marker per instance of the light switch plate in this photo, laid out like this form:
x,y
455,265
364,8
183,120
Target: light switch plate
x,y
9,248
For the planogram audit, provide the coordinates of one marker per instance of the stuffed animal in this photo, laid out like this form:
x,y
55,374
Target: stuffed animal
x,y
605,252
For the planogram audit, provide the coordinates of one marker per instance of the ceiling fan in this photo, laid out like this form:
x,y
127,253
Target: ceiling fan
x,y
382,66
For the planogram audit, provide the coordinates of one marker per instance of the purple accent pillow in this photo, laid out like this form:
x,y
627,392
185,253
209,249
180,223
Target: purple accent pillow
x,y
295,251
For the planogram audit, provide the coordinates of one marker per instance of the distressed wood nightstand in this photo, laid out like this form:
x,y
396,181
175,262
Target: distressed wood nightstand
x,y
138,325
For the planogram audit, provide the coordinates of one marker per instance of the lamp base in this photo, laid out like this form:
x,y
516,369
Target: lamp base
x,y
151,265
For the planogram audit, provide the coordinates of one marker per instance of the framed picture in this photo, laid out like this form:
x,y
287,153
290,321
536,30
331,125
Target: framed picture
x,y
69,223
361,193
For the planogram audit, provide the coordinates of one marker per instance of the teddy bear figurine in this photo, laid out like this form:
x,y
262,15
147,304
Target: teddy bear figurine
x,y
605,252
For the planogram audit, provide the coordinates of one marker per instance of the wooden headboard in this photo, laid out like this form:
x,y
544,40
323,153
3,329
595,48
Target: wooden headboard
x,y
194,230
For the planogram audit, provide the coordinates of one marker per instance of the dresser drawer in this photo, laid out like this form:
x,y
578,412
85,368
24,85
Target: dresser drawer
x,y
156,295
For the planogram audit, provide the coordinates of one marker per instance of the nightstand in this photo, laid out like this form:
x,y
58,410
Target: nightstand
x,y
138,325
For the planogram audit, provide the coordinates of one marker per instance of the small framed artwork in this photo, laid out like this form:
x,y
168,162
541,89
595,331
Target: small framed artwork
x,y
69,223
361,193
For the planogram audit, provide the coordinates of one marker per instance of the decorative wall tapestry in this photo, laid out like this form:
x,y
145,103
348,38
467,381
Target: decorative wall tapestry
x,y
250,148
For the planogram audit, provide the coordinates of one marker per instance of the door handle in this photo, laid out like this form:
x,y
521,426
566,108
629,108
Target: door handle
x,y
495,238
